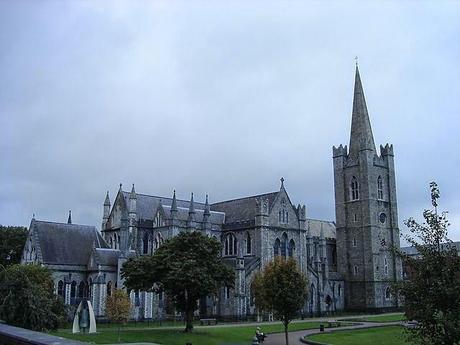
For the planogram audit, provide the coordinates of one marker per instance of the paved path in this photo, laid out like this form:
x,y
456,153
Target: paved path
x,y
294,337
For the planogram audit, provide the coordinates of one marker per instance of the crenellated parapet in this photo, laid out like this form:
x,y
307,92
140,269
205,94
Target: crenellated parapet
x,y
340,151
386,150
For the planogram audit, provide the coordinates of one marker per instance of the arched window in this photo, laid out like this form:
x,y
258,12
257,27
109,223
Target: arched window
x,y
354,188
387,293
379,188
111,242
354,241
284,244
291,248
385,266
355,270
339,289
276,247
118,241
230,245
109,289
81,289
60,290
73,289
158,221
248,243
145,243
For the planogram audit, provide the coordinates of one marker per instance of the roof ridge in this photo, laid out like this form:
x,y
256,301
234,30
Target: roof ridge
x,y
320,220
245,197
162,197
67,224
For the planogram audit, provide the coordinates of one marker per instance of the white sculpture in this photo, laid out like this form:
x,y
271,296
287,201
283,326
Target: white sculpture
x,y
84,312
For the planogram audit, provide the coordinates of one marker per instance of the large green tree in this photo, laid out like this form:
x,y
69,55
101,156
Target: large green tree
x,y
27,298
187,267
432,294
280,288
12,240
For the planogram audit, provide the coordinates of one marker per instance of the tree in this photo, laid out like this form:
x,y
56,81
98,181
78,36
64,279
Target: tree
x,y
432,294
12,240
27,298
280,288
187,267
118,307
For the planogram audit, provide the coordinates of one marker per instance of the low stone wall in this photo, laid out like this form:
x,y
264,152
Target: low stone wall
x,y
19,336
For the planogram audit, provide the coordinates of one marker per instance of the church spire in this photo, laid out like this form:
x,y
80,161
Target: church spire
x,y
69,220
361,137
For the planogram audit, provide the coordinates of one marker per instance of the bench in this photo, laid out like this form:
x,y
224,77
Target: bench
x,y
331,324
207,322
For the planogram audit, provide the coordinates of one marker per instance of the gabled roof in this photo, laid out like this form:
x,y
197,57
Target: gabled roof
x,y
243,209
314,226
62,243
107,256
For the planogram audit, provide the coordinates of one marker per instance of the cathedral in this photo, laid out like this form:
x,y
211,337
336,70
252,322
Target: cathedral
x,y
349,263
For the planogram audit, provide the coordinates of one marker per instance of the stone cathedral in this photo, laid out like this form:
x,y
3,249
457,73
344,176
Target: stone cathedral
x,y
349,263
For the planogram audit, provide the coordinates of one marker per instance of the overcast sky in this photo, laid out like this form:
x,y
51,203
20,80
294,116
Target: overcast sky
x,y
221,98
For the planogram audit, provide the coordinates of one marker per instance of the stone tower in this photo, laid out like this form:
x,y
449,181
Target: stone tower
x,y
366,214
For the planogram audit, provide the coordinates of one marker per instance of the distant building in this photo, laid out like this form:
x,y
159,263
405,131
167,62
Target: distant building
x,y
349,265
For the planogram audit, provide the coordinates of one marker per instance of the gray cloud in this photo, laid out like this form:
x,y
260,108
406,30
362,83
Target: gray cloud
x,y
221,99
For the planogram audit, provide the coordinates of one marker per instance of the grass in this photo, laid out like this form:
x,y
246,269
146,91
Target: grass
x,y
237,335
380,318
389,335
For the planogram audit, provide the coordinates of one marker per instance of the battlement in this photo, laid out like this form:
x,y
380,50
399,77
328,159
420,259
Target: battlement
x,y
386,150
339,151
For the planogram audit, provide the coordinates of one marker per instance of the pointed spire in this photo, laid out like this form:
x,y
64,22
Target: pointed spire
x,y
133,193
121,186
207,208
174,203
192,206
69,220
107,199
361,137
282,182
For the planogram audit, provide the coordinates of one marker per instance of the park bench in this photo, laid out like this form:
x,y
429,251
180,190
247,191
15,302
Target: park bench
x,y
333,323
207,322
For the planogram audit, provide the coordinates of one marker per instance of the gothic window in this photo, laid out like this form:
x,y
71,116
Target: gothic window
x,y
339,289
111,242
158,241
379,188
355,270
354,188
73,289
279,216
354,242
355,217
158,221
227,293
145,243
284,244
283,216
276,247
81,289
109,289
387,293
312,296
291,248
60,290
248,243
137,300
230,245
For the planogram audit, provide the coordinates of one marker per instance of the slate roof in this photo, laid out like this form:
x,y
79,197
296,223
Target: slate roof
x,y
62,243
107,256
243,209
182,214
315,226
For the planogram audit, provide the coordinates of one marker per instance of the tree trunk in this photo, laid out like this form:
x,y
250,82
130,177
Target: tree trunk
x,y
286,334
189,320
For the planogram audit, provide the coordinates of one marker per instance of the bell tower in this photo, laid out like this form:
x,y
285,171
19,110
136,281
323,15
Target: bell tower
x,y
366,214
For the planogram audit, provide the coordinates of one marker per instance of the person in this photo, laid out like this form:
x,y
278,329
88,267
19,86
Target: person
x,y
260,335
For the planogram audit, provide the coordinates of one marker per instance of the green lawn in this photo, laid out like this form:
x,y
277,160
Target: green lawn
x,y
380,318
241,335
391,335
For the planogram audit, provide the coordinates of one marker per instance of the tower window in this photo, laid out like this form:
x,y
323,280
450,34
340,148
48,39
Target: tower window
x,y
354,242
355,270
355,217
354,189
380,188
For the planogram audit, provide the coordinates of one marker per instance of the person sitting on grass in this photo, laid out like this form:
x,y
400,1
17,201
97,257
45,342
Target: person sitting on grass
x,y
260,336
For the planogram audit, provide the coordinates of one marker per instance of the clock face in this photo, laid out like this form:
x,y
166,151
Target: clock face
x,y
382,217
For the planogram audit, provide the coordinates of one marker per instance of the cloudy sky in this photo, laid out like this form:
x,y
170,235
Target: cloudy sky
x,y
221,98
